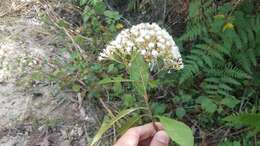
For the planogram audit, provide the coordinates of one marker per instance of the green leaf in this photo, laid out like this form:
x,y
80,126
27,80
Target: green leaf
x,y
186,74
129,123
113,80
207,60
117,86
194,9
108,124
180,112
208,105
76,87
153,83
247,7
158,108
178,131
112,14
252,56
79,39
37,76
100,7
111,67
82,2
225,87
230,80
139,72
230,102
128,100
63,23
247,119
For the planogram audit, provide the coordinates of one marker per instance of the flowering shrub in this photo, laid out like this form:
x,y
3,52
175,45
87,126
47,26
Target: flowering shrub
x,y
137,47
151,41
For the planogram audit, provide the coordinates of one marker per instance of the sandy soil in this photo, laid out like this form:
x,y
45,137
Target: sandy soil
x,y
35,114
21,51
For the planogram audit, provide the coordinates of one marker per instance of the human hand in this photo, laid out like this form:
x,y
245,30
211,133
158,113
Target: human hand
x,y
144,135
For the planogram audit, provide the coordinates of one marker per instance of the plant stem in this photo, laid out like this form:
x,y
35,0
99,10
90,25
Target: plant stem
x,y
150,111
146,100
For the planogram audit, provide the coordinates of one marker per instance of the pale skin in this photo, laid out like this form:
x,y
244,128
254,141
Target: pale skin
x,y
145,135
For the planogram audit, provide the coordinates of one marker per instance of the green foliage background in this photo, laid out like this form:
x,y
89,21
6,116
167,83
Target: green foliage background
x,y
221,77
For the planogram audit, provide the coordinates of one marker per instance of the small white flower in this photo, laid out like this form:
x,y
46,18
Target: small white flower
x,y
181,66
142,32
175,52
152,32
143,52
168,43
118,39
35,62
159,45
151,45
30,64
147,37
23,61
106,51
113,43
100,58
163,47
159,33
140,40
103,55
155,53
141,25
130,44
136,33
128,49
162,40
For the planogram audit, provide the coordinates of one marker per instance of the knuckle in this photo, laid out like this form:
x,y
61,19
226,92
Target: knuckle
x,y
135,132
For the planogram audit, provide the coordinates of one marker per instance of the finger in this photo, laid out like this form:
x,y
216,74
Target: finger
x,y
145,142
130,138
134,135
160,139
148,130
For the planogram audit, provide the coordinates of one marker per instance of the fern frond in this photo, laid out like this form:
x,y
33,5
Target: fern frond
x,y
230,80
247,119
236,73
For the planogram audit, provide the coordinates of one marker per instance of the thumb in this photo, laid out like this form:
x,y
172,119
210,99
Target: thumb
x,y
160,139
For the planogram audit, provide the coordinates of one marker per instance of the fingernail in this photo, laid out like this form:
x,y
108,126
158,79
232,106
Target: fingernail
x,y
162,137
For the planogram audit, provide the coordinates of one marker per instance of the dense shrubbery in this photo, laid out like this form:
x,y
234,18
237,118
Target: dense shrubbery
x,y
222,63
221,75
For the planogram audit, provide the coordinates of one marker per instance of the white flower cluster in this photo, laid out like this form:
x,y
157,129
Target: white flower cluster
x,y
151,41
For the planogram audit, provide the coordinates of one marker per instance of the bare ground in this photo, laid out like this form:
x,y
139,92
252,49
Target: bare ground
x,y
35,114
